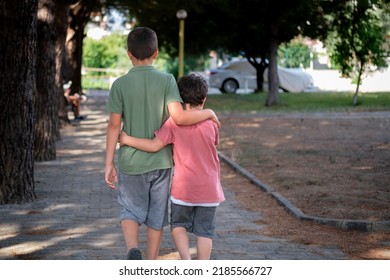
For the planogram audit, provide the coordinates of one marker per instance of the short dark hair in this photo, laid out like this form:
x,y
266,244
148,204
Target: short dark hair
x,y
193,89
142,42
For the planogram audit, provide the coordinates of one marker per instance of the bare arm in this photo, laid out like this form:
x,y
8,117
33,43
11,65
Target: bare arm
x,y
113,130
143,144
190,117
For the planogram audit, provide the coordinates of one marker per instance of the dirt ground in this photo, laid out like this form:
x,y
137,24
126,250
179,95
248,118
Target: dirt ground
x,y
334,165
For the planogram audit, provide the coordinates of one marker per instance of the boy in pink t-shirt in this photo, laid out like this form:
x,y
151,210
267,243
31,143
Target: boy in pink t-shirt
x,y
196,189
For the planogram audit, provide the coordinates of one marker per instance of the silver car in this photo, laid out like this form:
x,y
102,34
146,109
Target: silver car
x,y
241,74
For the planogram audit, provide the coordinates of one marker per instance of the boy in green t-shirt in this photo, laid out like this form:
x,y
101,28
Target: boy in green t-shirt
x,y
143,99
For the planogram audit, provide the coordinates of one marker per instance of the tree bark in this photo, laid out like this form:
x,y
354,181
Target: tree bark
x,y
61,22
360,73
273,79
46,101
80,13
260,68
18,40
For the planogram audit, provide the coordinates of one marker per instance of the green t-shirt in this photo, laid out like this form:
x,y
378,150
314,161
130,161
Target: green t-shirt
x,y
142,97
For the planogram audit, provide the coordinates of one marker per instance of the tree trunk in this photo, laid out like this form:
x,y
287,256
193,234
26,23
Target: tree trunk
x,y
260,68
79,16
355,97
46,99
61,21
18,40
260,78
273,79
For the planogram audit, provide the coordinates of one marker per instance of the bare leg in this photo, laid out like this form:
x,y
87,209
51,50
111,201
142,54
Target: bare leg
x,y
130,233
180,237
153,243
76,109
204,246
75,104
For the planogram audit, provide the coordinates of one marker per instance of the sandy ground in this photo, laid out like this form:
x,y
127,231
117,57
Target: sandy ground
x,y
328,165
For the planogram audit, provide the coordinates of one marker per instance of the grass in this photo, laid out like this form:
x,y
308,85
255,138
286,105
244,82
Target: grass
x,y
299,102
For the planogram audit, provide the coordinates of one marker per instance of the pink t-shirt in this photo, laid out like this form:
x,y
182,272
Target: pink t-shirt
x,y
197,170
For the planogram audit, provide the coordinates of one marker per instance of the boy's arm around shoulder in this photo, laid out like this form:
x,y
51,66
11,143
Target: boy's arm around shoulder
x,y
143,144
190,117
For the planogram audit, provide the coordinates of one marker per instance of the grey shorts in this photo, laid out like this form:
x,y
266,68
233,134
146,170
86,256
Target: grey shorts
x,y
144,198
198,220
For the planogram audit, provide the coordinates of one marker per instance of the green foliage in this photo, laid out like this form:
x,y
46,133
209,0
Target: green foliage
x,y
228,25
166,63
108,52
252,27
169,64
294,54
358,39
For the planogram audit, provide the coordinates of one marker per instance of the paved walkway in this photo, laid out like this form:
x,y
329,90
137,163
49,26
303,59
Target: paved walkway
x,y
75,215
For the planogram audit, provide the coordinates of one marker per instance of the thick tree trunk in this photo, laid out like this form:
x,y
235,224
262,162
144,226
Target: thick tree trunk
x,y
46,101
18,40
273,79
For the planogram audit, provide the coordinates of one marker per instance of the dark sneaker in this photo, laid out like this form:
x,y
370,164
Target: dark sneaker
x,y
80,118
134,254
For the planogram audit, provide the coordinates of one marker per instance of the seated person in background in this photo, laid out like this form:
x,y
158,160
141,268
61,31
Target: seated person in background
x,y
74,99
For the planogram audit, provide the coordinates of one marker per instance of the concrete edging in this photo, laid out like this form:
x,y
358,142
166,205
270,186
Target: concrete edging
x,y
361,225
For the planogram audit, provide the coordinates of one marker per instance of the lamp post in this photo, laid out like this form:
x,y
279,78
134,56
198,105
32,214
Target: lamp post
x,y
181,15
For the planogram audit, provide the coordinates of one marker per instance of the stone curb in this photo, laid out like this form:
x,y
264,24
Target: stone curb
x,y
361,225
